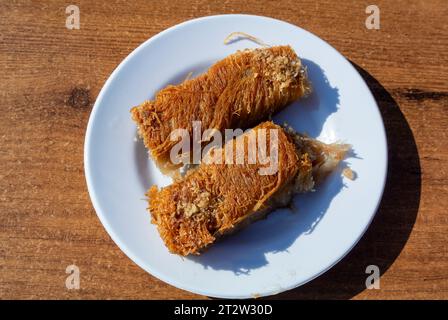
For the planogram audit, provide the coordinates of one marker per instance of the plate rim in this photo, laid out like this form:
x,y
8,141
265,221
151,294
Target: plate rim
x,y
123,247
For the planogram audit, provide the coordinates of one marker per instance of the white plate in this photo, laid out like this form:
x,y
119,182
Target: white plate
x,y
288,248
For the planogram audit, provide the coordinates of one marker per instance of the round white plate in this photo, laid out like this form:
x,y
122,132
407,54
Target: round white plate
x,y
288,248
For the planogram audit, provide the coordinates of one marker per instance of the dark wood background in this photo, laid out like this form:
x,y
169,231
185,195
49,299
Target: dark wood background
x,y
50,77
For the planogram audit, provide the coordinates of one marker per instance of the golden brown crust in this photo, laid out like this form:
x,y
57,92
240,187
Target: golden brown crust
x,y
236,92
214,199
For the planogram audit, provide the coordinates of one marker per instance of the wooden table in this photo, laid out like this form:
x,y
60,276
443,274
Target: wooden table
x,y
50,77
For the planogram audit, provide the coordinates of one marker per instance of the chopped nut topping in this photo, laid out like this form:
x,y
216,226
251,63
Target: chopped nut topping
x,y
188,208
349,173
280,69
204,199
197,205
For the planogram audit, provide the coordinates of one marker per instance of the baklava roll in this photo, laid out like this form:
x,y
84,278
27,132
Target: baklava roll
x,y
219,197
239,91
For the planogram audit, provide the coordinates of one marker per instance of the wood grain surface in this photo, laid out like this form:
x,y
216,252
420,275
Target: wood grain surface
x,y
51,76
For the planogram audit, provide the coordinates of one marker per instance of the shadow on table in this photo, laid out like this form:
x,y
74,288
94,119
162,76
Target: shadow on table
x,y
395,218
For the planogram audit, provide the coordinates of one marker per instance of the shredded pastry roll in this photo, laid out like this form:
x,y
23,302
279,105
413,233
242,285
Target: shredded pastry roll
x,y
216,199
239,91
